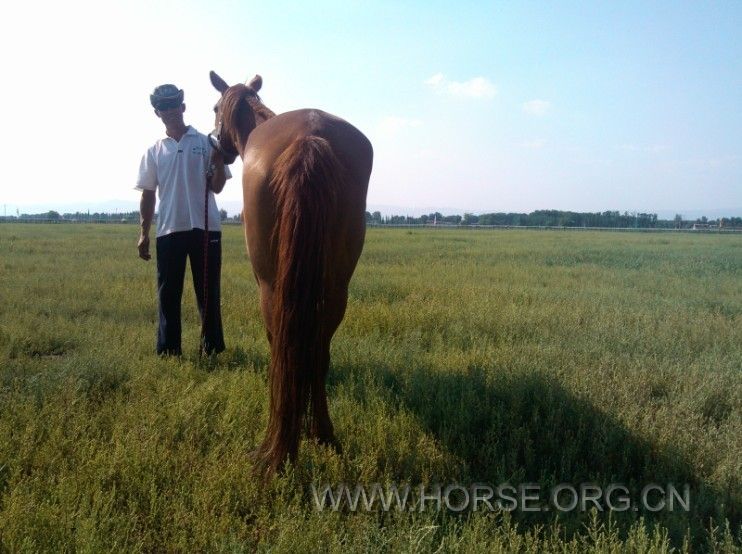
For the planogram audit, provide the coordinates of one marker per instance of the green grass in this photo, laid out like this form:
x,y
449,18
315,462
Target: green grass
x,y
465,356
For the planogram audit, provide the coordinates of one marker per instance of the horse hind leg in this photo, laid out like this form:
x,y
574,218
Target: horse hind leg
x,y
320,427
266,308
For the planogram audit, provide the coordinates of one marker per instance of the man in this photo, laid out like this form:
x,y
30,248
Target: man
x,y
180,167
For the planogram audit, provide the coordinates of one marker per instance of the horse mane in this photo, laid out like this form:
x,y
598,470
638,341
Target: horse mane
x,y
235,101
232,103
257,105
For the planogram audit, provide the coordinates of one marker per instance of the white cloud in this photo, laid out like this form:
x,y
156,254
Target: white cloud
x,y
717,162
533,144
435,80
477,87
650,149
657,148
536,107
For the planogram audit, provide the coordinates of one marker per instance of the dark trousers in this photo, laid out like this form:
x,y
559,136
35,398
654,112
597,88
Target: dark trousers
x,y
172,251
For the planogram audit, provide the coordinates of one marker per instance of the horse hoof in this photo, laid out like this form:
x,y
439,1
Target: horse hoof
x,y
259,464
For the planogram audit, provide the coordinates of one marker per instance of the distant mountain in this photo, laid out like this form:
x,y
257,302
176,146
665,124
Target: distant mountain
x,y
711,213
689,215
105,206
388,210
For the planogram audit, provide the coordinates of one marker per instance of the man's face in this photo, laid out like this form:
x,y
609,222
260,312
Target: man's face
x,y
171,115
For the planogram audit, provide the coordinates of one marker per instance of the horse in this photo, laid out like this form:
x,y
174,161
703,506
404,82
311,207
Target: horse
x,y
304,186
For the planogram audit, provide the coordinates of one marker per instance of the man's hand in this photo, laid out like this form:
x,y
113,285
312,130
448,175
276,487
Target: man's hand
x,y
144,247
146,211
216,183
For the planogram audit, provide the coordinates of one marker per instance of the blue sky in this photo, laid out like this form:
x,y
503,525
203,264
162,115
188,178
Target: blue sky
x,y
477,106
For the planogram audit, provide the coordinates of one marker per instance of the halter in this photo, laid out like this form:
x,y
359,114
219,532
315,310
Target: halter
x,y
215,142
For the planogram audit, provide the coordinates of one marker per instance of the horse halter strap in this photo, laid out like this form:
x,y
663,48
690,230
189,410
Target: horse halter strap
x,y
215,142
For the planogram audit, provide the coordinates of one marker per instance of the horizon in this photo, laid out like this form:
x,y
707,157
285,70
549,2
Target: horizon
x,y
478,108
122,207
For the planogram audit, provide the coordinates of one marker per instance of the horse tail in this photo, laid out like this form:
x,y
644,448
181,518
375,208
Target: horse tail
x,y
306,181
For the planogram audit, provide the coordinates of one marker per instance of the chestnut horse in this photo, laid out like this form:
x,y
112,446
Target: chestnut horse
x,y
304,186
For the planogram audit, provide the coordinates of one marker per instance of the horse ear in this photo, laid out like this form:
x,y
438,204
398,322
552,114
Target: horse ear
x,y
219,83
255,83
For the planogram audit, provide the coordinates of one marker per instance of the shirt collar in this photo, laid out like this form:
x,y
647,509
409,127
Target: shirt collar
x,y
190,131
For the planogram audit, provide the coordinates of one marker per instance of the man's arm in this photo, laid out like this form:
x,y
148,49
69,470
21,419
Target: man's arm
x,y
146,213
216,183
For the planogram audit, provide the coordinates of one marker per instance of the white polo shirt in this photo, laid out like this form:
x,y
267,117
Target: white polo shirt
x,y
177,170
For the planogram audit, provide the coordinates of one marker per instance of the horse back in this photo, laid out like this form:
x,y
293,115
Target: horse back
x,y
263,152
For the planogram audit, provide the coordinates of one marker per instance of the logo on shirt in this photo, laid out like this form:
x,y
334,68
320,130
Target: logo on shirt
x,y
198,151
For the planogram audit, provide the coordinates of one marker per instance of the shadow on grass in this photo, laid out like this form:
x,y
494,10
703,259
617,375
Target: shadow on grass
x,y
233,359
528,429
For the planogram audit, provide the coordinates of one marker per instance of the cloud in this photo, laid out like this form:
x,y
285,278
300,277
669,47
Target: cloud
x,y
537,144
717,162
650,149
392,125
436,80
477,87
536,107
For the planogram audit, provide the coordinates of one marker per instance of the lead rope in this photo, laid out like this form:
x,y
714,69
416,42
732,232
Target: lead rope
x,y
205,303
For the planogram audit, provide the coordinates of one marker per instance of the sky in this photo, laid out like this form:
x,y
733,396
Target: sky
x,y
470,106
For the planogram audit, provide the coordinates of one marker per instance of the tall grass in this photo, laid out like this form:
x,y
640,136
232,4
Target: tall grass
x,y
465,356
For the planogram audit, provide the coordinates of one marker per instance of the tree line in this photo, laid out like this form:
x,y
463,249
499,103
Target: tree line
x,y
538,218
115,217
554,218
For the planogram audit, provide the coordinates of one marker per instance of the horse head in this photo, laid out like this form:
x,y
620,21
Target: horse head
x,y
237,113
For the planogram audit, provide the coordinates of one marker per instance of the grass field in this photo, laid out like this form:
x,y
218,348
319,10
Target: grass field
x,y
464,357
